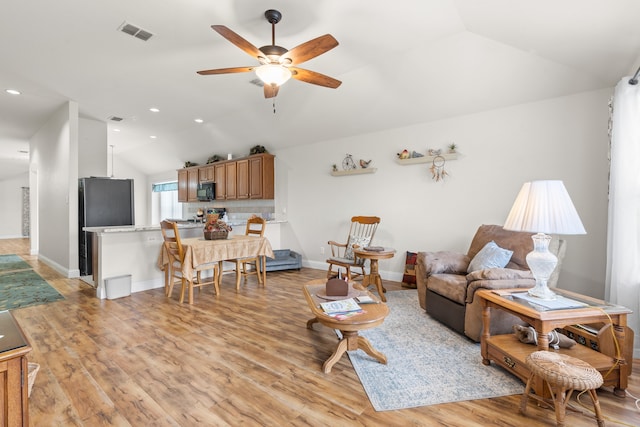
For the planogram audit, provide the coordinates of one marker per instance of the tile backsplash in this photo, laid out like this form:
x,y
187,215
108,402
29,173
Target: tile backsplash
x,y
236,209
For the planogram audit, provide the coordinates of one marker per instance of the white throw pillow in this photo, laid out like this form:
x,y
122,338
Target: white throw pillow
x,y
490,256
355,240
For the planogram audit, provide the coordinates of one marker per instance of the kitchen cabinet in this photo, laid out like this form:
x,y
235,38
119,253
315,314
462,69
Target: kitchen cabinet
x,y
255,177
207,174
242,178
14,371
225,177
230,169
188,181
183,184
220,177
247,178
192,188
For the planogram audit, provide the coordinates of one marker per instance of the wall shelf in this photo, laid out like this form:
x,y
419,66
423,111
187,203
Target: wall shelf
x,y
354,172
425,159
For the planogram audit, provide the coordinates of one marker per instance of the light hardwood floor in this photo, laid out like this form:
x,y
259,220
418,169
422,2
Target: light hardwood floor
x,y
240,358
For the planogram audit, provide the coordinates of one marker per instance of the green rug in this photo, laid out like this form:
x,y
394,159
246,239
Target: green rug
x,y
427,363
12,262
25,288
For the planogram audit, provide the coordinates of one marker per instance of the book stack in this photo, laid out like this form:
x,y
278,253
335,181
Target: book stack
x,y
342,309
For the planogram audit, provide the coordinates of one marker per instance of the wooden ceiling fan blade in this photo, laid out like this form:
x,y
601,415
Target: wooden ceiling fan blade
x,y
310,49
313,77
237,40
226,70
271,91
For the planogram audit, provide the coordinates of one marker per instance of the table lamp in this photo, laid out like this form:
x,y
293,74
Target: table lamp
x,y
543,207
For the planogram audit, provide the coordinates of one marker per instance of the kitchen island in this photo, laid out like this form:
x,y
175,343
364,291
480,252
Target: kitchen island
x,y
133,250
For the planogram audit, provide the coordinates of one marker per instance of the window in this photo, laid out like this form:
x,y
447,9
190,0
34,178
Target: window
x,y
164,202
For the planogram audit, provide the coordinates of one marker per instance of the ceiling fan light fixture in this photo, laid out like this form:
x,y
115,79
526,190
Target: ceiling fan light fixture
x,y
273,74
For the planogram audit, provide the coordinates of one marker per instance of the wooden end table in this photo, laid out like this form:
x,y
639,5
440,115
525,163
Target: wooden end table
x,y
374,276
14,372
508,352
373,316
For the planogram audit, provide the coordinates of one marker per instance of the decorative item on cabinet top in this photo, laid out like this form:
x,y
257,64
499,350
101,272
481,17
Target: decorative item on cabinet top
x,y
350,168
258,149
214,158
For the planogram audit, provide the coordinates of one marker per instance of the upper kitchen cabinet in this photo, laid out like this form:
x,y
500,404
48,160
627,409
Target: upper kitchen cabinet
x,y
225,177
194,182
247,178
183,185
255,177
188,185
207,174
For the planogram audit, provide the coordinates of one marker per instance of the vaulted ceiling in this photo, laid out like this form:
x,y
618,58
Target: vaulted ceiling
x,y
400,63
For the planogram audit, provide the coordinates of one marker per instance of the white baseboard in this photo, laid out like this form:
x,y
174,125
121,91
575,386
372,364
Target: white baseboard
x,y
59,268
146,285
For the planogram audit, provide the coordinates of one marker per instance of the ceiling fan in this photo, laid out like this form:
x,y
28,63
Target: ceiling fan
x,y
277,63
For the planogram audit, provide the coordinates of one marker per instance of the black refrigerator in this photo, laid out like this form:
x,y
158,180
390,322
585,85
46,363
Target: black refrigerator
x,y
101,202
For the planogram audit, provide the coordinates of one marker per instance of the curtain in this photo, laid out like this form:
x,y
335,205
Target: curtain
x,y
166,186
623,231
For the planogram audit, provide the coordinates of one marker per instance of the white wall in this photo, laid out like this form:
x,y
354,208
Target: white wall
x,y
141,188
64,146
54,164
563,138
92,148
11,212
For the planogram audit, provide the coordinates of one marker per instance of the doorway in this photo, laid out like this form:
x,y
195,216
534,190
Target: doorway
x,y
25,212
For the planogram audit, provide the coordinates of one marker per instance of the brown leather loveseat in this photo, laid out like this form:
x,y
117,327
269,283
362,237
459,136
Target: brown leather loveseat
x,y
447,290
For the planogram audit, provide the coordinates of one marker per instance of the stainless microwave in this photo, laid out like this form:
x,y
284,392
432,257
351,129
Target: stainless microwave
x,y
206,191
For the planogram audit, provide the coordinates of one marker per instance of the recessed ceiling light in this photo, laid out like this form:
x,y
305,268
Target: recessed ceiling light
x,y
154,110
153,137
198,120
12,92
116,130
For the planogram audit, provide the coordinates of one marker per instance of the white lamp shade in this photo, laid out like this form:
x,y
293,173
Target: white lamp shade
x,y
544,207
273,74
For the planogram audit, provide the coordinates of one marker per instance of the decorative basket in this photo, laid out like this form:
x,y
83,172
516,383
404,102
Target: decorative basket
x,y
216,235
33,369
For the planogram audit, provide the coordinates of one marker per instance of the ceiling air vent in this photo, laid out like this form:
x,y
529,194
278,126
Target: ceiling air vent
x,y
135,31
257,82
115,118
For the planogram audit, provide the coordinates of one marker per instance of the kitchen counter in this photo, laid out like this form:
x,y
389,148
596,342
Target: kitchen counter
x,y
133,250
187,225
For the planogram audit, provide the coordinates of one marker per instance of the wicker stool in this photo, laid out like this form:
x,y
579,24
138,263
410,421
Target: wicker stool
x,y
563,375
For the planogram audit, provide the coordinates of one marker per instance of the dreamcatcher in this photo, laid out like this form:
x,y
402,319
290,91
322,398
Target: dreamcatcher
x,y
437,168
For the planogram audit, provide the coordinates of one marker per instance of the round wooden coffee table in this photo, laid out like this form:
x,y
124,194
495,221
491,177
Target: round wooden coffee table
x,y
373,316
374,276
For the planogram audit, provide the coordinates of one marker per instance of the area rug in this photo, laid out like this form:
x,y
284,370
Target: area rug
x,y
427,363
25,288
12,262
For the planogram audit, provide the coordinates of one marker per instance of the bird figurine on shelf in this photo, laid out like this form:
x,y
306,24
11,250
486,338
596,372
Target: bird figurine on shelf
x,y
364,163
404,154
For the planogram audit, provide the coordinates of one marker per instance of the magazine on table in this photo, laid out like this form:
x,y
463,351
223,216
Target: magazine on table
x,y
341,309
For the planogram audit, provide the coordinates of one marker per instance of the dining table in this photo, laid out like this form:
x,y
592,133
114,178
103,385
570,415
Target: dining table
x,y
199,251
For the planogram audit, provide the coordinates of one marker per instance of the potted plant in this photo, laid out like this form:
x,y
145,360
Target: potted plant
x,y
452,147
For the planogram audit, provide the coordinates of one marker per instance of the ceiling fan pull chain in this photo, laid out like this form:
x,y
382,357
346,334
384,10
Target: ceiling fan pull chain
x,y
274,105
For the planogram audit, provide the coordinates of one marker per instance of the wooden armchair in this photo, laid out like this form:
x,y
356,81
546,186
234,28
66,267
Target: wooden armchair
x,y
173,269
361,233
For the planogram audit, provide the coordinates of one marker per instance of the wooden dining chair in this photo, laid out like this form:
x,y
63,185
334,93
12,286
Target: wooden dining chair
x,y
361,233
173,269
255,227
